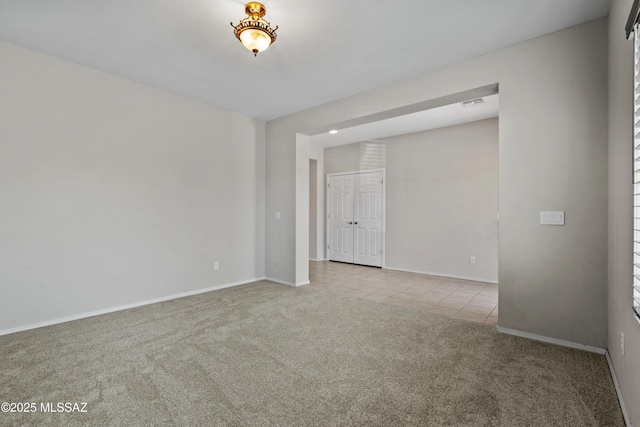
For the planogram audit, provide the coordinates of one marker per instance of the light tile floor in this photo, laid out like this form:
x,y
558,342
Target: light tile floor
x,y
464,299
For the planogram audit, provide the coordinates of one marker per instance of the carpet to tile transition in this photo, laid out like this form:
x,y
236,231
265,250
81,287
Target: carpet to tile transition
x,y
268,354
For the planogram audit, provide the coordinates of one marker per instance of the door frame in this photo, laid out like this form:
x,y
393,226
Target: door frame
x,y
384,209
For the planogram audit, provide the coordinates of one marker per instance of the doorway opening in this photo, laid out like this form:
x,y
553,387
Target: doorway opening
x,y
440,212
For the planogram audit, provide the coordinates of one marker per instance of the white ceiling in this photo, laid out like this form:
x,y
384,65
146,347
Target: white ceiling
x,y
326,49
448,115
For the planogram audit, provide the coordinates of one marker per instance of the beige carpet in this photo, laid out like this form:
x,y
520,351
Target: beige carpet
x,y
268,354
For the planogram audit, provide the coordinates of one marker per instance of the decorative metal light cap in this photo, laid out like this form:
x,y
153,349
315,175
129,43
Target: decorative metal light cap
x,y
254,32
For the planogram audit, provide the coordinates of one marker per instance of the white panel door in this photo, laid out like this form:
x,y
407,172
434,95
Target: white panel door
x,y
355,218
368,219
340,220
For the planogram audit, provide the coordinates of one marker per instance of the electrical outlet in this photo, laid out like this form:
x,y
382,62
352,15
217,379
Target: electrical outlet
x,y
472,259
216,265
622,342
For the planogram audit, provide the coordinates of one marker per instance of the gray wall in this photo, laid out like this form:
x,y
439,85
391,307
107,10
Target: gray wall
x,y
552,156
621,211
313,209
113,193
442,200
317,233
303,154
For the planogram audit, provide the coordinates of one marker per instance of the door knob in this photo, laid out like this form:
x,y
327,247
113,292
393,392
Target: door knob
x,y
350,223
356,222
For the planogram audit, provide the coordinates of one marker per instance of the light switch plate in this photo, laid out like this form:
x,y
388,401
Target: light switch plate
x,y
552,217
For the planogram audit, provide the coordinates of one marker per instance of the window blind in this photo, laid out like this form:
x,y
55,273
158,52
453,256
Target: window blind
x,y
636,170
373,155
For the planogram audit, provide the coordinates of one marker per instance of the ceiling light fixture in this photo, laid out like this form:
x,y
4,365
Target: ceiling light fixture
x,y
333,132
254,32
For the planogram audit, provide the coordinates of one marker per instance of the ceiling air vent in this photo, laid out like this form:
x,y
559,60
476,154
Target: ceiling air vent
x,y
472,102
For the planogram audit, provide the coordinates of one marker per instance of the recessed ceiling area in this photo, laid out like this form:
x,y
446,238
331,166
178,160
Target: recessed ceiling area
x,y
448,115
325,50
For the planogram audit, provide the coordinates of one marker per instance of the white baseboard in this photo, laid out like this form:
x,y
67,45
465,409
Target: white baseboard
x,y
124,307
450,276
625,413
549,340
284,282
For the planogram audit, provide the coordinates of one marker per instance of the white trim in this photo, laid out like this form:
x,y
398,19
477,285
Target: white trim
x,y
451,276
383,244
316,260
555,341
356,172
124,307
284,282
625,414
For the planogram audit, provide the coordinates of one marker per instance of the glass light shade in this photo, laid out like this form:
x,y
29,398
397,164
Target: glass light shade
x,y
255,40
